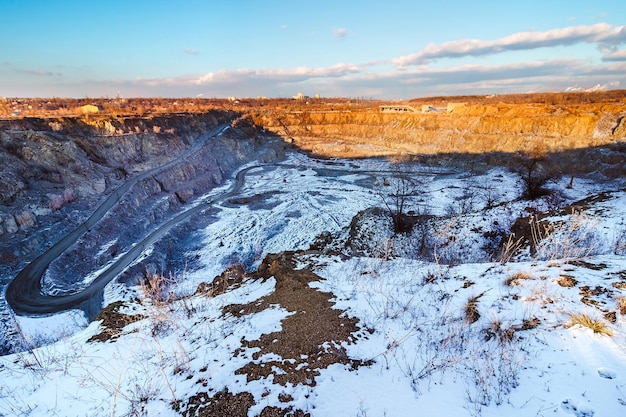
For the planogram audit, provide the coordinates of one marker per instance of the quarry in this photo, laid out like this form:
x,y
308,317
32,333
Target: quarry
x,y
314,257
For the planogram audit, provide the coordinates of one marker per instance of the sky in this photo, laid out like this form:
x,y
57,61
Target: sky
x,y
399,49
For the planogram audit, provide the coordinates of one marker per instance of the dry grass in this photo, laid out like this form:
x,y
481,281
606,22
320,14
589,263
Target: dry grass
x,y
509,249
567,281
621,305
513,280
158,289
598,326
471,309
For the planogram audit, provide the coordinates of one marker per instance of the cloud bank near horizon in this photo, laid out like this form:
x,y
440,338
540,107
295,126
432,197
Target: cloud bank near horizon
x,y
602,34
405,76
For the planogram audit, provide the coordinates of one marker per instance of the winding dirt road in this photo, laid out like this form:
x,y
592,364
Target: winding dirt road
x,y
24,293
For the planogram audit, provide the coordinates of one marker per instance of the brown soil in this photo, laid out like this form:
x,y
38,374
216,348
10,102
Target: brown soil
x,y
229,279
588,265
611,316
587,293
113,322
226,404
220,405
311,338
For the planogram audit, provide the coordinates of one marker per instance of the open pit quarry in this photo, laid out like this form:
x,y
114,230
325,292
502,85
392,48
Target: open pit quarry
x,y
449,128
247,260
56,170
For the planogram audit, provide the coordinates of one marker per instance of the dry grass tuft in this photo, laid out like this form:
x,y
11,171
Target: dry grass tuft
x,y
596,325
513,280
567,281
471,309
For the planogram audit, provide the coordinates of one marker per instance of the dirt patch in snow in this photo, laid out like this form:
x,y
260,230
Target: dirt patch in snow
x,y
225,403
113,322
312,336
231,278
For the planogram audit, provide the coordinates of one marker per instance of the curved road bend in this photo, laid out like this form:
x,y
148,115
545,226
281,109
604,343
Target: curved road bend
x,y
24,294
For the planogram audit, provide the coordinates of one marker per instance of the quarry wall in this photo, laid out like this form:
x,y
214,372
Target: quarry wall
x,y
466,129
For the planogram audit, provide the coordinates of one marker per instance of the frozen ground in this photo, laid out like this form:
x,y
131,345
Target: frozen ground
x,y
465,337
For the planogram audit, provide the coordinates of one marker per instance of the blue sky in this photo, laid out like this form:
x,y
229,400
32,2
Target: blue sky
x,y
275,48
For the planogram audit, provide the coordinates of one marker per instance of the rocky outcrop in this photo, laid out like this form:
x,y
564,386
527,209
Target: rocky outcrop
x,y
47,163
54,172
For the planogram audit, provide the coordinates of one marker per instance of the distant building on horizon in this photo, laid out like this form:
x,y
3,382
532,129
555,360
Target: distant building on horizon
x,y
397,109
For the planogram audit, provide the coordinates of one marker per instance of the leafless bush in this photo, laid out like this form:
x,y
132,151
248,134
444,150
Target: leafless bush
x,y
395,193
534,170
572,239
158,289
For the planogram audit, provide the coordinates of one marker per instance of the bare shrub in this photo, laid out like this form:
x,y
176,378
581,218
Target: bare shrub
x,y
158,289
394,193
509,249
534,170
619,246
575,238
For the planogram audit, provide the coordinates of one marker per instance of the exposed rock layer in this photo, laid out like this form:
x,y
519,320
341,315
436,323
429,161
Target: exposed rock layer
x,y
468,129
53,172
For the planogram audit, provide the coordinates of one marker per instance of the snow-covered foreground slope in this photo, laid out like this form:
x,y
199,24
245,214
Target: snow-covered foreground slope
x,y
329,330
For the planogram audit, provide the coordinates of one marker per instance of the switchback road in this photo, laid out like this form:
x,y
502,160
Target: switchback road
x,y
24,292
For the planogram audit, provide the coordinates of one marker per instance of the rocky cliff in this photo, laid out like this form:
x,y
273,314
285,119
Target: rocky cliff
x,y
455,128
54,171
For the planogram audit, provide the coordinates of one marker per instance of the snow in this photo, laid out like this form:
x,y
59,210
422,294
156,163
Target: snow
x,y
428,359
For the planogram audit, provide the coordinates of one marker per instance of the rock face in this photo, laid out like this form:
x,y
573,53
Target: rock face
x,y
467,129
53,173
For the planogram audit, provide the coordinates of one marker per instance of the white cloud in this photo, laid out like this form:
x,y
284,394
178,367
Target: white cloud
x,y
190,51
39,72
340,33
602,33
286,75
357,80
383,79
618,55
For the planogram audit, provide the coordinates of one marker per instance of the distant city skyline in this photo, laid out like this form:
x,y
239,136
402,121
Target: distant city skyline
x,y
275,48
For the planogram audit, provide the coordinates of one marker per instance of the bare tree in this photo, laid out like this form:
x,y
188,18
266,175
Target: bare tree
x,y
535,171
394,193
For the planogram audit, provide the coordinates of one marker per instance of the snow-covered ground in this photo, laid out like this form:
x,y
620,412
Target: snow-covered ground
x,y
469,336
